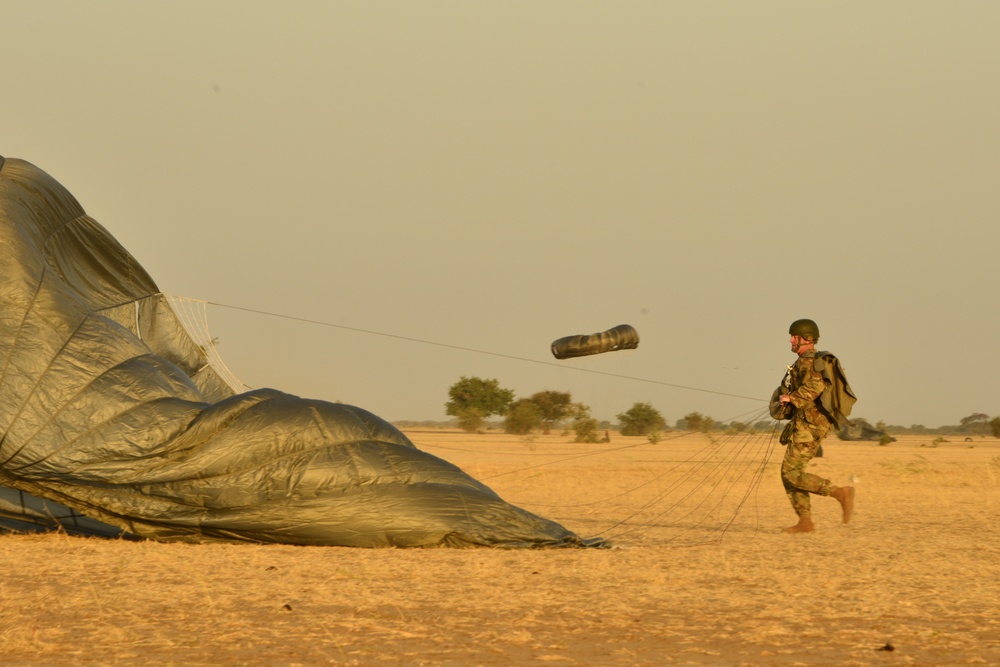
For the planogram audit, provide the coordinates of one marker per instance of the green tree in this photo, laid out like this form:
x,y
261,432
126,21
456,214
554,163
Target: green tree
x,y
523,417
695,421
975,423
995,427
554,406
471,400
641,419
586,428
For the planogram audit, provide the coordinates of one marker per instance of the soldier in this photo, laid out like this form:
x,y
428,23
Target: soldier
x,y
798,398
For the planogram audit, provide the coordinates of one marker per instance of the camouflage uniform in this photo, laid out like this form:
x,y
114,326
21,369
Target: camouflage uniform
x,y
804,434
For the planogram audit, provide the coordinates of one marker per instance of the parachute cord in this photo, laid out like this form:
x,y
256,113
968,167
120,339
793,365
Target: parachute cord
x,y
485,352
701,464
761,452
757,416
713,478
709,485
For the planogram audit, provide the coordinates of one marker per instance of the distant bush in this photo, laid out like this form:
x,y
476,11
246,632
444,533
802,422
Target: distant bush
x,y
641,419
935,442
522,417
471,400
586,428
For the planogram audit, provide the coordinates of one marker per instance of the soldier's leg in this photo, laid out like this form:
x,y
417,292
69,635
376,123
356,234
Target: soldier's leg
x,y
798,499
798,454
799,483
794,459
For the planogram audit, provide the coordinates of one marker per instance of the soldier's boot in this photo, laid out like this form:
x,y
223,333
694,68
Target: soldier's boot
x,y
805,525
845,496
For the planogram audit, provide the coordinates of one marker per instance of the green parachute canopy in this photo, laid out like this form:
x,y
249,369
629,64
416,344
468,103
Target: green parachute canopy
x,y
113,420
621,337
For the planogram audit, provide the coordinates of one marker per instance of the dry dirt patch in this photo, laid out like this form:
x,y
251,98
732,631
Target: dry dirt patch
x,y
919,569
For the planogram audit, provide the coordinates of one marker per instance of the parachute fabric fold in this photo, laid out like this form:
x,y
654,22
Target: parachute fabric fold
x,y
621,337
113,415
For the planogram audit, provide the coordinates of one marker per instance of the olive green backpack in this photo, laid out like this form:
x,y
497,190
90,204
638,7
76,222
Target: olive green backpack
x,y
836,400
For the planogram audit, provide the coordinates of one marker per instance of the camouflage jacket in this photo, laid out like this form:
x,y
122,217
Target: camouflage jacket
x,y
805,384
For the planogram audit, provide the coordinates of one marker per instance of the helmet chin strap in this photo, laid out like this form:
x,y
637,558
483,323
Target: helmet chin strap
x,y
800,343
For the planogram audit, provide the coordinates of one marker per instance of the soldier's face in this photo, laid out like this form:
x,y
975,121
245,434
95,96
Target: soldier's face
x,y
800,344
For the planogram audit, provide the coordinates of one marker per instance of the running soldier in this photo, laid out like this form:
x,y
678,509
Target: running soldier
x,y
798,399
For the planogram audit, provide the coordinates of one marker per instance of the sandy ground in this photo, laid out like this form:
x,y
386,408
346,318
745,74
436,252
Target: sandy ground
x,y
918,569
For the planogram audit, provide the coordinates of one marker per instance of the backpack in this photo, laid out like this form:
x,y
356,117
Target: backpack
x,y
837,398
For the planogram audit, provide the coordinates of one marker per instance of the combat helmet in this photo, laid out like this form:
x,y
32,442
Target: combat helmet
x,y
805,329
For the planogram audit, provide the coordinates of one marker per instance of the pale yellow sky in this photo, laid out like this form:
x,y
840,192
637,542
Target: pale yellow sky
x,y
497,175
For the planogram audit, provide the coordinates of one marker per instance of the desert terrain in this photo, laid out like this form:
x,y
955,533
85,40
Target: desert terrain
x,y
686,583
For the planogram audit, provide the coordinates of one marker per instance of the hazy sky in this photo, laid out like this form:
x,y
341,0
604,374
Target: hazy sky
x,y
496,175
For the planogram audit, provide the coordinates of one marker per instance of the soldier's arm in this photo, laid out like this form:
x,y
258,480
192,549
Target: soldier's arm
x,y
812,386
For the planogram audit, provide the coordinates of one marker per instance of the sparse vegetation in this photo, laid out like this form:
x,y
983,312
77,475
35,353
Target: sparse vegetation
x,y
916,466
935,442
472,400
697,422
586,428
523,417
977,422
553,407
641,419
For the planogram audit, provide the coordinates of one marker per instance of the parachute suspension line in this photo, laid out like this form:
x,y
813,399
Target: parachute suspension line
x,y
707,490
476,351
193,316
696,457
699,494
754,488
711,494
757,415
563,460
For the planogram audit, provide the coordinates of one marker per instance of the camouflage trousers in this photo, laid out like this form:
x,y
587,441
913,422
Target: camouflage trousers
x,y
799,483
